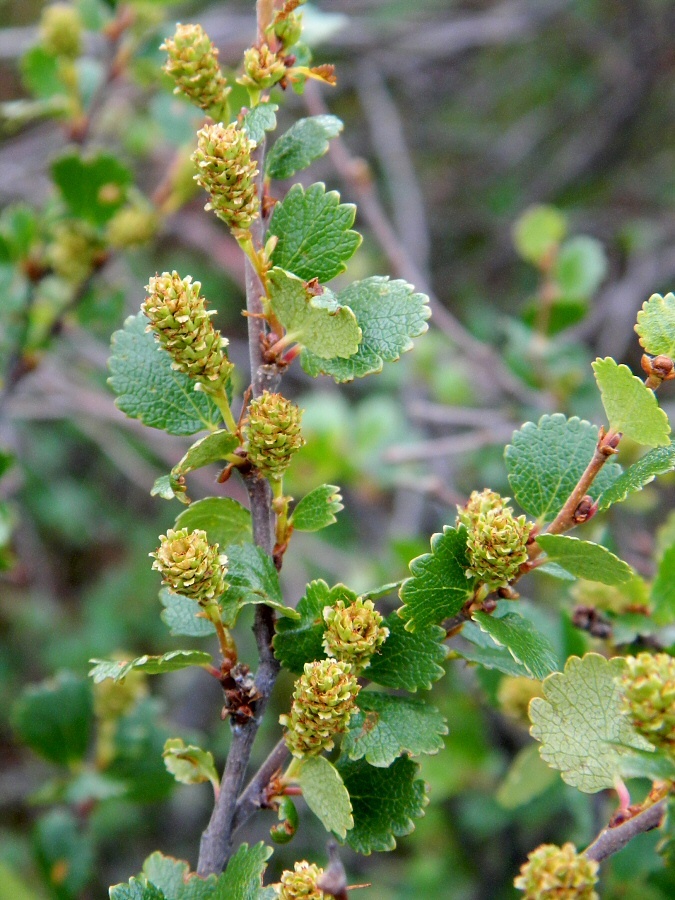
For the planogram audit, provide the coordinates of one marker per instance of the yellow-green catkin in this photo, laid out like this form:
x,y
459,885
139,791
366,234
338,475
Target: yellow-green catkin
x,y
272,433
648,685
496,539
227,172
190,566
61,30
182,325
301,883
558,873
514,695
192,62
354,632
323,702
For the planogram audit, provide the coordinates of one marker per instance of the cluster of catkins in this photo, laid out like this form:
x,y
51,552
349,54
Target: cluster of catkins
x,y
325,694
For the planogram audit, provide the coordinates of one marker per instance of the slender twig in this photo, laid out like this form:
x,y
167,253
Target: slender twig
x,y
250,799
605,448
216,844
611,840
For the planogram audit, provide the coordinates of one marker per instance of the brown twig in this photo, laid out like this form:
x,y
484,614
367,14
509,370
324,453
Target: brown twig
x,y
216,843
611,840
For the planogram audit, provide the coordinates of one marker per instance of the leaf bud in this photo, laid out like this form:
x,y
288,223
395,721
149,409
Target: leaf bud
x,y
285,830
226,171
323,702
61,30
193,64
560,872
648,686
190,566
496,541
354,632
273,433
182,325
301,883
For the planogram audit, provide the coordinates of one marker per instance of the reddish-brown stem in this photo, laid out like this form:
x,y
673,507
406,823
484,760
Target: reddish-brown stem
x,y
605,448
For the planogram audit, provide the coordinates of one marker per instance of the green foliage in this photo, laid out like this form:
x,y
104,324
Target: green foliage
x,y
663,589
439,587
656,324
409,660
173,878
384,802
189,764
260,119
316,321
325,794
252,578
389,314
92,189
317,509
546,460
305,141
183,616
582,731
209,449
55,718
631,407
150,390
385,727
136,890
525,644
64,854
243,876
224,520
313,233
657,462
299,642
580,267
151,665
486,652
527,778
538,232
585,559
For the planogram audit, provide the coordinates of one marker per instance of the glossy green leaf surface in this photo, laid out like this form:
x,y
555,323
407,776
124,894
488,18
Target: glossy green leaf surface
x,y
385,727
317,509
151,665
409,660
313,231
585,559
55,718
385,802
526,645
658,461
224,520
438,587
305,141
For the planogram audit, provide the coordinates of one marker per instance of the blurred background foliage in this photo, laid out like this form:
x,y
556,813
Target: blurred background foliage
x,y
514,158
